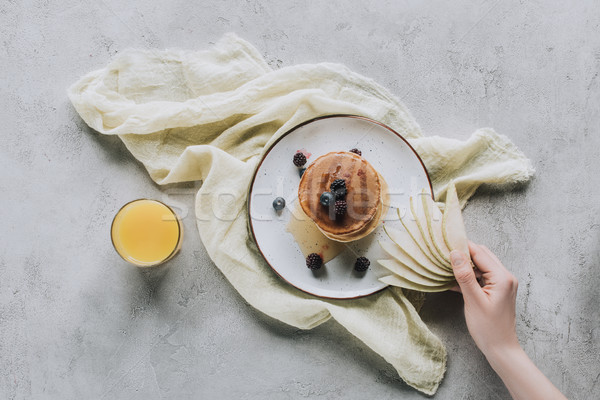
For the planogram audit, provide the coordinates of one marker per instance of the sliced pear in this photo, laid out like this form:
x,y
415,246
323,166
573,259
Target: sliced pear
x,y
398,269
404,241
309,238
453,226
420,253
398,254
395,280
413,231
434,217
402,269
418,212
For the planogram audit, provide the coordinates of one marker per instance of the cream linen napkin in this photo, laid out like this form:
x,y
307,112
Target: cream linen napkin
x,y
209,115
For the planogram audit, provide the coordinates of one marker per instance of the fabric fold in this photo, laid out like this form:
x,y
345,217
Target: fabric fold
x,y
485,158
210,115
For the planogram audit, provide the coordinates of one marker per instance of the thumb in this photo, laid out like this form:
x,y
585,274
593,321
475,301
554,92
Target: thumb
x,y
465,276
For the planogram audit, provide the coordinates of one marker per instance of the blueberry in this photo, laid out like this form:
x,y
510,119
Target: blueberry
x,y
327,198
301,172
279,203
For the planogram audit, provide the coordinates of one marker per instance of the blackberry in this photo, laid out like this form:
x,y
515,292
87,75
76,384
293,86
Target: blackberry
x,y
362,264
340,193
356,151
299,159
314,261
326,199
337,184
340,207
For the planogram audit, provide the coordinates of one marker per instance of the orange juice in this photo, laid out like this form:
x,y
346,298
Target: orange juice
x,y
146,232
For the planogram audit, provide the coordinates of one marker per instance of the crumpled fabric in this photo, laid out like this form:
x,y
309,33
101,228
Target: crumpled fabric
x,y
209,116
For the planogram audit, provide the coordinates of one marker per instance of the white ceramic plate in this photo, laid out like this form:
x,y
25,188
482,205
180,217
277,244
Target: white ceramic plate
x,y
276,176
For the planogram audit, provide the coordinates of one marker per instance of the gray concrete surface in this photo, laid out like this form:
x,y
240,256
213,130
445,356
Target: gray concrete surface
x,y
76,323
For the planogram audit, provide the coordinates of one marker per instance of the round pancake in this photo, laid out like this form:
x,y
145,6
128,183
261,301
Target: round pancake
x,y
363,197
370,227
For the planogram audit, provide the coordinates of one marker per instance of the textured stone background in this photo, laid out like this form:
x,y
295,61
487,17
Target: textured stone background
x,y
75,322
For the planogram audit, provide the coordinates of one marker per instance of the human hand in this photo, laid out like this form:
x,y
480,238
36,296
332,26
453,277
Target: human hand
x,y
490,315
489,310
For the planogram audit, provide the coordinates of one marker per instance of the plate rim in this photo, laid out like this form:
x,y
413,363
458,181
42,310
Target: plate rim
x,y
266,153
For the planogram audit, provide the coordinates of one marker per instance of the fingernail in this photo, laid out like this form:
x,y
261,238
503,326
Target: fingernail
x,y
456,257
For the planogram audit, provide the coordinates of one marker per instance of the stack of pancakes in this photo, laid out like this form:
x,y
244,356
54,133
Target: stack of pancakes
x,y
365,191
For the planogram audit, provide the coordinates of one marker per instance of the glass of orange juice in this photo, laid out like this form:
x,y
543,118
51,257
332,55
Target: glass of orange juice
x,y
146,232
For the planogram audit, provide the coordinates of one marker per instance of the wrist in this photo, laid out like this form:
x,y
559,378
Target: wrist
x,y
520,375
504,354
496,348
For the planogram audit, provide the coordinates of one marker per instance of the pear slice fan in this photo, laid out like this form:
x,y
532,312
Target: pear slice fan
x,y
420,252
